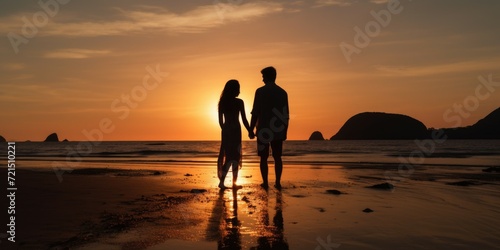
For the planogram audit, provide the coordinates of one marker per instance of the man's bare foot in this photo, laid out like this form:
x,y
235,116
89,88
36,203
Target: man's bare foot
x,y
277,186
237,186
264,185
221,186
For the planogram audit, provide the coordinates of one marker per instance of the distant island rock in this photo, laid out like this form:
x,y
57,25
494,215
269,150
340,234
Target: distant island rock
x,y
381,126
385,126
52,138
2,139
486,128
316,136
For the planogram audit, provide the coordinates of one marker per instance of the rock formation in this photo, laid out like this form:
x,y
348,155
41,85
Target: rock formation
x,y
52,138
486,128
316,135
381,126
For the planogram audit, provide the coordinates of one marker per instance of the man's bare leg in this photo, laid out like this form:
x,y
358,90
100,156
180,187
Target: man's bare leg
x,y
278,169
264,169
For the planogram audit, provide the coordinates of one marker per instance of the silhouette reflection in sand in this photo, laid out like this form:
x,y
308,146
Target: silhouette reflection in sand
x,y
271,236
232,232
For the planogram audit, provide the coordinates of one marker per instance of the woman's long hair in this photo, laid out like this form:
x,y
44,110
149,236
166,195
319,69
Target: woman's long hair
x,y
231,90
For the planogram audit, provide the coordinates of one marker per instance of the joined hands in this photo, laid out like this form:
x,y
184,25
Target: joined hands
x,y
251,135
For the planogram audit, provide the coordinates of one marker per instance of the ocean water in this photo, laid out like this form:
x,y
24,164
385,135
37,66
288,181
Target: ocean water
x,y
204,153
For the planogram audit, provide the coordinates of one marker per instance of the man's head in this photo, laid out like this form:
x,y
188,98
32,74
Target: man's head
x,y
268,75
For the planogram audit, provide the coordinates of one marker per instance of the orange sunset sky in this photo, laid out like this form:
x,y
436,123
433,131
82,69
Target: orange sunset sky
x,y
68,66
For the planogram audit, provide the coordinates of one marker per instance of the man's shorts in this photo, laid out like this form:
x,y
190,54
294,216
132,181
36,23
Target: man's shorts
x,y
276,146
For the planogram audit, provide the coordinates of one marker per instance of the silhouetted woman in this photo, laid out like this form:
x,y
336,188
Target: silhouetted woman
x,y
230,109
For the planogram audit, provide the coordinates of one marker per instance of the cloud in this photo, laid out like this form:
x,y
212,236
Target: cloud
x,y
342,3
75,53
446,68
379,1
157,19
12,66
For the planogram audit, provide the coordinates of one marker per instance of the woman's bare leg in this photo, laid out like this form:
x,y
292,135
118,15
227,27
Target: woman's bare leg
x,y
225,169
235,175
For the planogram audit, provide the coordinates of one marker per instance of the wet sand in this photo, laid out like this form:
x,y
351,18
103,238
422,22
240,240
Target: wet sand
x,y
319,207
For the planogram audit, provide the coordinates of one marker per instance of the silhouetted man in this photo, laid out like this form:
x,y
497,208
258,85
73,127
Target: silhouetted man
x,y
270,114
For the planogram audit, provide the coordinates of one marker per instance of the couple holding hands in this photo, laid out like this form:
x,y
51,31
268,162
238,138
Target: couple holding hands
x,y
270,115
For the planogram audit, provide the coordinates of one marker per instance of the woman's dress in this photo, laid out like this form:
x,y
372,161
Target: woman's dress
x,y
230,149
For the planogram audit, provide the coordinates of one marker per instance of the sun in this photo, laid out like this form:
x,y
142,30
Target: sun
x,y
210,112
214,115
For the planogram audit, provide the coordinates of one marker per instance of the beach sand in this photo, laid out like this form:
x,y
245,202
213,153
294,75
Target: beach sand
x,y
181,208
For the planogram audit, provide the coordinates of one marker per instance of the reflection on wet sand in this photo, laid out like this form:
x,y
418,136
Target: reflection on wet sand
x,y
230,232
271,236
225,226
